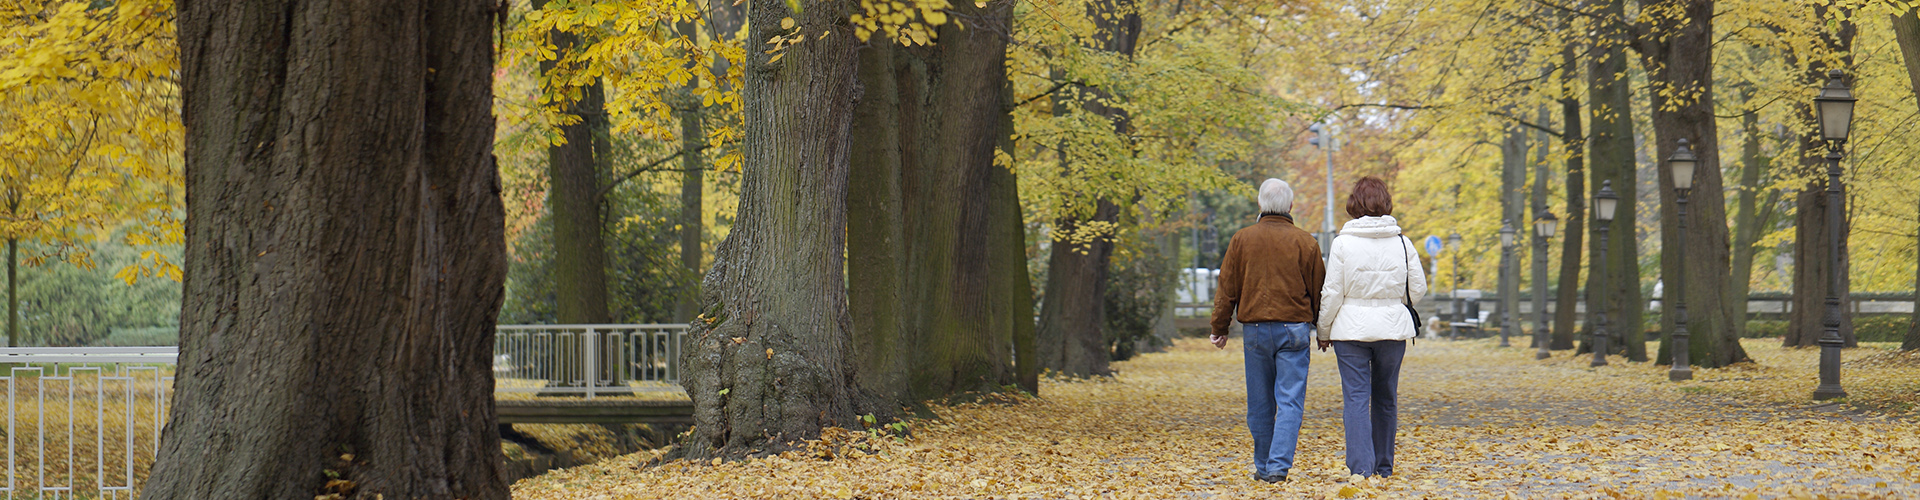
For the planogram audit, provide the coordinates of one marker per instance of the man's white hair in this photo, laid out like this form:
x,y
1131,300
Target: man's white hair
x,y
1276,196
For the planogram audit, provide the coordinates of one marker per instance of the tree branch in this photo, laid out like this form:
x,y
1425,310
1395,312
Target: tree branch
x,y
649,168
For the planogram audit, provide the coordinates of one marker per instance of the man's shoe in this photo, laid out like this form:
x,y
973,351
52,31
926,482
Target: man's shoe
x,y
1276,478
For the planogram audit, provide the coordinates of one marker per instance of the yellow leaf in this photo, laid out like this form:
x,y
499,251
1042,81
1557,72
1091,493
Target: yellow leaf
x,y
786,23
1348,491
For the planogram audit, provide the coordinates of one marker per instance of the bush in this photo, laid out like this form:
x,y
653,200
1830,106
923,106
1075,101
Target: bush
x,y
1882,327
137,337
1766,328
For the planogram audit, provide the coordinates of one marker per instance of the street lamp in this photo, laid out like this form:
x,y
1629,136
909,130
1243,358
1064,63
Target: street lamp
x,y
1682,164
1507,301
1542,231
1604,203
1835,108
1453,242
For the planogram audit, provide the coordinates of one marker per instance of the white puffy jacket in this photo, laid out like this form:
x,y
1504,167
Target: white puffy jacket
x,y
1370,272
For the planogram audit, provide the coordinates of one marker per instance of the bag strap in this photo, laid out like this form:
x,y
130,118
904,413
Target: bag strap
x,y
1406,286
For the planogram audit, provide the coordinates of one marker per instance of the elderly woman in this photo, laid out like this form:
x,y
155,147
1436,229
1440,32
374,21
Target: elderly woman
x,y
1373,274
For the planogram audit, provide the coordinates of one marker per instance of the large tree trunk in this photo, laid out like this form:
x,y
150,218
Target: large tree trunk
x,y
573,203
1906,28
770,364
345,253
1537,246
876,245
958,83
1612,153
1678,57
1574,223
1013,287
1073,313
1812,259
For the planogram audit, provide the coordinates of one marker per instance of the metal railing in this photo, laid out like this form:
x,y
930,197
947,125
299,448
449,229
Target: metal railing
x,y
84,422
590,360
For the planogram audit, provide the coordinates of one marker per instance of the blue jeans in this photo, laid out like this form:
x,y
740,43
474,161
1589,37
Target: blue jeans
x,y
1277,355
1370,382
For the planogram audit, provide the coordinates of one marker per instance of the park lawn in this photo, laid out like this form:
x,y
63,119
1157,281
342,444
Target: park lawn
x,y
1477,421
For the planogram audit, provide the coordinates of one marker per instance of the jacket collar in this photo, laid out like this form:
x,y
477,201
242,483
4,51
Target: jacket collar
x,y
1277,217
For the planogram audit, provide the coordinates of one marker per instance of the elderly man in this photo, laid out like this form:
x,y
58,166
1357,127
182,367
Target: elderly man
x,y
1270,280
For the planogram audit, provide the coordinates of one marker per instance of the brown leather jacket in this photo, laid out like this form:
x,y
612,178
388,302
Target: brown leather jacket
x,y
1272,272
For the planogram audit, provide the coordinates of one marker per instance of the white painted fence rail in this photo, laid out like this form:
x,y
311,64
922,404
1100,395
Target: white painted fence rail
x,y
84,422
590,360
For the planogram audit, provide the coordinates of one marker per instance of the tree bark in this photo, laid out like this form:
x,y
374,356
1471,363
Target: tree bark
x,y
345,253
1906,29
1574,223
13,292
693,138
876,245
1541,172
1513,192
1678,58
1611,150
1073,313
772,366
1754,213
1013,289
1812,260
573,203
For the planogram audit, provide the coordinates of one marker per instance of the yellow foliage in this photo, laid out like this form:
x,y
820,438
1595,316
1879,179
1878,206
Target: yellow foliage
x,y
89,127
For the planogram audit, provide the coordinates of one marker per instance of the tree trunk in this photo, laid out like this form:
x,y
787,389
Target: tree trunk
x,y
876,245
1754,214
1013,289
345,254
1538,251
958,83
1812,260
1073,313
771,367
693,138
1574,222
573,203
13,292
1611,150
1906,28
1513,192
1678,57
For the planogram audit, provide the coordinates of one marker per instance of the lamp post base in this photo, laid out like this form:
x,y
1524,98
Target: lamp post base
x,y
1826,392
1679,374
1543,354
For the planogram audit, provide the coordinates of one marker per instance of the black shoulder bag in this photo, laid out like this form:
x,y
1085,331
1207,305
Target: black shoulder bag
x,y
1406,288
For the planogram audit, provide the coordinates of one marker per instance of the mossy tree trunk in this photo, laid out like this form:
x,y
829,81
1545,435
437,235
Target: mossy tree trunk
x,y
1611,151
1812,259
1574,222
774,364
344,253
1906,28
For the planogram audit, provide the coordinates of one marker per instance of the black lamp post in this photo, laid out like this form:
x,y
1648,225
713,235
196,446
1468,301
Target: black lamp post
x,y
1604,203
1453,242
1682,163
1542,231
1507,300
1835,107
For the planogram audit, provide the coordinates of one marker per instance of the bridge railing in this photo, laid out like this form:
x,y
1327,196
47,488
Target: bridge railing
x,y
589,360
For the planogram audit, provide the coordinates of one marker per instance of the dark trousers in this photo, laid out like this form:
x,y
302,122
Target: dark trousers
x,y
1370,382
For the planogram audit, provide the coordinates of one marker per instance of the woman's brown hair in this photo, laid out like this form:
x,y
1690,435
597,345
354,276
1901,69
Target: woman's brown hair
x,y
1369,199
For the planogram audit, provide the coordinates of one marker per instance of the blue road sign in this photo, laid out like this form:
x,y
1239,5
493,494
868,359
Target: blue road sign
x,y
1433,245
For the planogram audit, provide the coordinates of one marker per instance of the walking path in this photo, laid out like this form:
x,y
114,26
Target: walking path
x,y
1477,422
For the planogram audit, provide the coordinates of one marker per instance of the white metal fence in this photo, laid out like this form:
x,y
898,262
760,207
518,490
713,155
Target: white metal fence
x,y
590,360
84,422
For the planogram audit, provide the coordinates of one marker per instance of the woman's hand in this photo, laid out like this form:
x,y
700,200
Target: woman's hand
x,y
1324,344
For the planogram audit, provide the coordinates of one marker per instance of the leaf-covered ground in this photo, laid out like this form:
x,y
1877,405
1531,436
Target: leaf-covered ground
x,y
1477,421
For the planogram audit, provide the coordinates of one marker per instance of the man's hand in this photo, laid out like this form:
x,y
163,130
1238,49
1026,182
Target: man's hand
x,y
1324,344
1219,341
